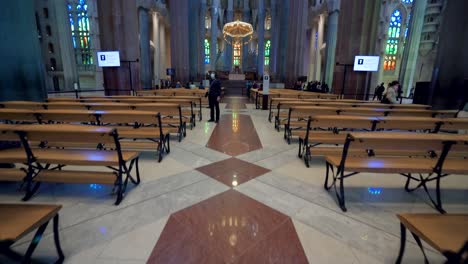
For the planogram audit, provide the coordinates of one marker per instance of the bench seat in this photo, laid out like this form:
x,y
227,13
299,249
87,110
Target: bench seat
x,y
385,164
82,157
19,220
69,176
12,174
455,166
447,233
13,155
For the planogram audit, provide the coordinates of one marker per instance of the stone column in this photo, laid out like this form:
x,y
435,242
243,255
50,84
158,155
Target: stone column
x,y
245,48
67,52
229,18
313,47
202,32
449,88
179,20
145,62
95,37
214,33
274,37
332,30
411,52
22,71
163,51
157,49
261,37
318,54
296,41
119,32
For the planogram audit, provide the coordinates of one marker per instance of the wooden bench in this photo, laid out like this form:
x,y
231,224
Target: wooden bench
x,y
330,130
46,161
18,220
431,156
138,127
445,233
18,116
27,105
171,116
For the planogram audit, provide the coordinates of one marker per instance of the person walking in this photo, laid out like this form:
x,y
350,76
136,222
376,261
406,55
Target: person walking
x,y
390,96
379,90
214,96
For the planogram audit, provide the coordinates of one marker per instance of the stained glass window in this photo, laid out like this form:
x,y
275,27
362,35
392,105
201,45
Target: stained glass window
x,y
391,49
237,54
79,25
268,22
207,51
267,52
407,1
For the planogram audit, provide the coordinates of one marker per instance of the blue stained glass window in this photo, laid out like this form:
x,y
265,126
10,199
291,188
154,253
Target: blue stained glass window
x,y
391,49
267,52
207,51
79,25
407,1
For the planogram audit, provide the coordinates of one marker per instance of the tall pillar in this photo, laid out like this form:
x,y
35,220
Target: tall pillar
x,y
202,35
179,16
332,30
245,48
229,18
145,62
449,88
163,51
95,36
67,52
22,73
119,32
261,37
411,52
296,41
214,33
318,54
157,49
274,37
313,47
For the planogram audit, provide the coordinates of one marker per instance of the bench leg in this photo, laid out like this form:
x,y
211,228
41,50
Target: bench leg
x,y
402,243
299,154
306,156
34,242
438,201
418,241
167,140
31,191
57,240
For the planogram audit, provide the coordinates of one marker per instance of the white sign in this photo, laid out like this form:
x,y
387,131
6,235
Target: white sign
x,y
366,63
266,84
108,59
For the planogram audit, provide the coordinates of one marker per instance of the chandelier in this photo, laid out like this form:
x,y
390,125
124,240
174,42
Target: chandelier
x,y
235,32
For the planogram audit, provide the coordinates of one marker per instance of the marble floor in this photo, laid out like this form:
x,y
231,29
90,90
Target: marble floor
x,y
235,192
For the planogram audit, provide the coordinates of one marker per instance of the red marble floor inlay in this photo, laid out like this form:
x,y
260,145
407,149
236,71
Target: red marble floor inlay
x,y
234,135
233,172
228,228
235,102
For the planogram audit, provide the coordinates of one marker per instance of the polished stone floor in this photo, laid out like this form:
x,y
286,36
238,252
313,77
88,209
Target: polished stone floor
x,y
235,192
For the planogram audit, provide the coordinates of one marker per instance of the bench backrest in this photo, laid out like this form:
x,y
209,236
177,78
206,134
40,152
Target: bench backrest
x,y
28,105
409,123
18,115
126,117
67,116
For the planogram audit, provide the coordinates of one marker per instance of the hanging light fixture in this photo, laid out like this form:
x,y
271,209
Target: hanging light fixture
x,y
237,32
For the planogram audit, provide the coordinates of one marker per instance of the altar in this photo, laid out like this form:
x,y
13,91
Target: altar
x,y
236,77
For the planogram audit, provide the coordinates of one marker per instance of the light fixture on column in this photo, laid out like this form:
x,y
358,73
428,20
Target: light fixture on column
x,y
237,32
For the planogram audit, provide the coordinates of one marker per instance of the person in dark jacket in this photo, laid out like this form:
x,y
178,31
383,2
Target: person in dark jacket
x,y
214,96
378,93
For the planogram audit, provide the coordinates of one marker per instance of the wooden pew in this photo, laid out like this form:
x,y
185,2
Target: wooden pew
x,y
330,130
171,116
433,162
15,154
445,233
18,220
46,163
136,128
67,116
18,116
27,105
